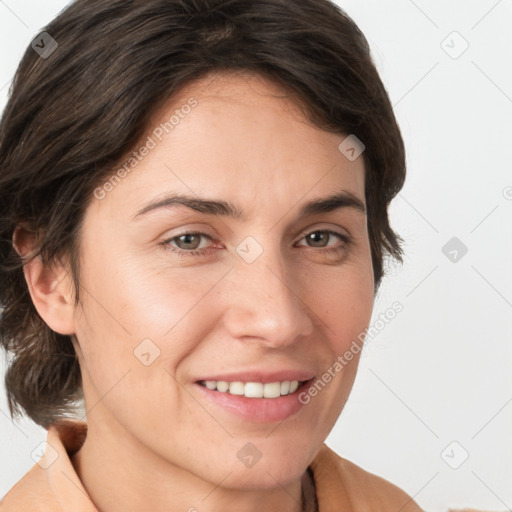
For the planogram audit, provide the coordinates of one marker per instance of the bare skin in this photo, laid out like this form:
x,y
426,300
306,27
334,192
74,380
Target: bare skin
x,y
154,442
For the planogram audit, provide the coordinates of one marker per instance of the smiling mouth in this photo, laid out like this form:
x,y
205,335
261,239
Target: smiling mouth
x,y
254,389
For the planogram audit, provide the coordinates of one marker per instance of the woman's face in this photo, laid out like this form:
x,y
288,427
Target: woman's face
x,y
268,295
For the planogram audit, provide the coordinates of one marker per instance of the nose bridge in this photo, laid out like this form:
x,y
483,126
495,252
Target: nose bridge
x,y
265,305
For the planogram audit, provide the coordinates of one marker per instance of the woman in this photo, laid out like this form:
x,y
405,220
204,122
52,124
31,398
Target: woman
x,y
260,134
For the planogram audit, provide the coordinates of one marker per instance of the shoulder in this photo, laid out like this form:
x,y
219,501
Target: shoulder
x,y
31,489
385,495
362,489
52,481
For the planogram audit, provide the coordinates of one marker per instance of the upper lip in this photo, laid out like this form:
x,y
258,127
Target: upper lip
x,y
262,376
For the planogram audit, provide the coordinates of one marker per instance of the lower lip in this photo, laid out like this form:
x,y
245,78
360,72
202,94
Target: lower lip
x,y
257,410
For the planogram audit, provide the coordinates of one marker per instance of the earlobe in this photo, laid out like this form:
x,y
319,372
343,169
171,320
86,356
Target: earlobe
x,y
50,286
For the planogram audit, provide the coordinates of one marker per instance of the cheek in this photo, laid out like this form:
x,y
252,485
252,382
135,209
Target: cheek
x,y
157,303
351,312
343,300
133,301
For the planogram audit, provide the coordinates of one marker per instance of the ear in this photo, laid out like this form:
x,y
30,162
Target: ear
x,y
50,286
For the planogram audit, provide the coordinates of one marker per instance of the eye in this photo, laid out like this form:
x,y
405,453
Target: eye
x,y
189,244
319,239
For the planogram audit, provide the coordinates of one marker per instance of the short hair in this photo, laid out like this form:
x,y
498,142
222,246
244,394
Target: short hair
x,y
73,115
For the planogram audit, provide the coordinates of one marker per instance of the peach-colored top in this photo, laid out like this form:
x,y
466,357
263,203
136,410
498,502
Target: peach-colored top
x,y
53,485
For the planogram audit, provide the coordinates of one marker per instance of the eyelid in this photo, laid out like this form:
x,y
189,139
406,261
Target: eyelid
x,y
190,232
338,230
346,239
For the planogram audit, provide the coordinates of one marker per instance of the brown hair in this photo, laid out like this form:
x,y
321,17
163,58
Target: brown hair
x,y
72,115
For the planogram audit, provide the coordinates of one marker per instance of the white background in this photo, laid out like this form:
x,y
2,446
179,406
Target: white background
x,y
440,371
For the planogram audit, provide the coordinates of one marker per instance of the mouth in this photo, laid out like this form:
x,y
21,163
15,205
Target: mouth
x,y
254,389
255,402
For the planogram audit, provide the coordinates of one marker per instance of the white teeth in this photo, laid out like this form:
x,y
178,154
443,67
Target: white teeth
x,y
272,389
236,388
222,385
253,389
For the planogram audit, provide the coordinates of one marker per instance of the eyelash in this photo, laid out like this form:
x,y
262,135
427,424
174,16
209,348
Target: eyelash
x,y
201,252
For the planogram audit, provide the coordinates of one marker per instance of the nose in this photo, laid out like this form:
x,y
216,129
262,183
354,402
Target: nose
x,y
262,304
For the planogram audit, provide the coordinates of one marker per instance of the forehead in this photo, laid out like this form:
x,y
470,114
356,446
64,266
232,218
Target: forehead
x,y
240,136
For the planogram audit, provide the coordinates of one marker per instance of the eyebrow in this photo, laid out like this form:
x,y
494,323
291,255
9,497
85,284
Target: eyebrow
x,y
343,199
